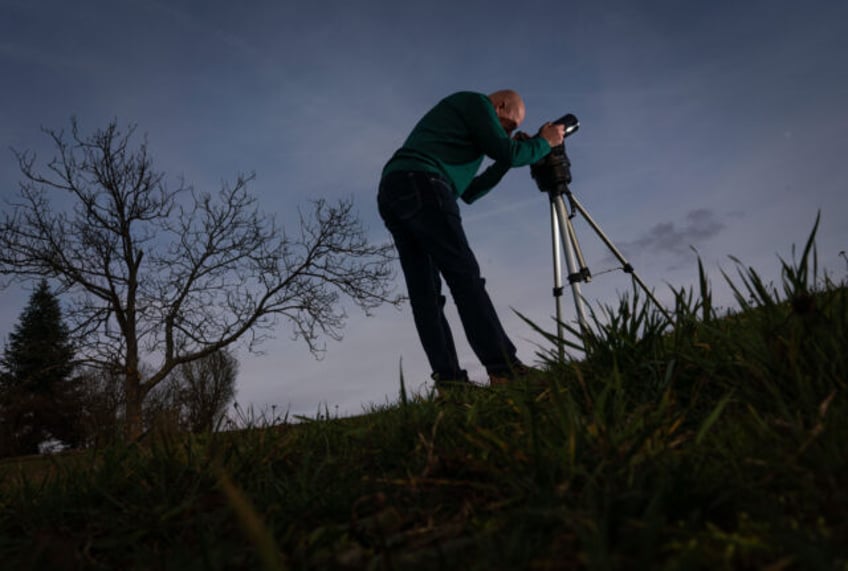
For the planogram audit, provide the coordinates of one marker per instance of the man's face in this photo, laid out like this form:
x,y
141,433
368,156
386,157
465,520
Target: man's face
x,y
510,117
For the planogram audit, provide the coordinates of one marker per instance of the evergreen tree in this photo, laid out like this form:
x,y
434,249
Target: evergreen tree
x,y
37,399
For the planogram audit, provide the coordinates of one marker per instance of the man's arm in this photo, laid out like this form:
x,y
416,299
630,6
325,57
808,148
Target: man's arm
x,y
492,140
484,182
487,180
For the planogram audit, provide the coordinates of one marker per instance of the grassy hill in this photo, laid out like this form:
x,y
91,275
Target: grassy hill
x,y
716,441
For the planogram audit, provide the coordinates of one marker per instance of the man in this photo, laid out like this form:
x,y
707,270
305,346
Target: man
x,y
418,194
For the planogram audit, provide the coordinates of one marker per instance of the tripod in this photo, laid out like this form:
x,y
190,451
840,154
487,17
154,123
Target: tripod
x,y
553,175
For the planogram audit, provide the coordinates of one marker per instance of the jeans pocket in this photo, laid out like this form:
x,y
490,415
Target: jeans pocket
x,y
444,196
401,196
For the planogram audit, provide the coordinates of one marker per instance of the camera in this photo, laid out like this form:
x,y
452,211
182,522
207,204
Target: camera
x,y
570,122
553,172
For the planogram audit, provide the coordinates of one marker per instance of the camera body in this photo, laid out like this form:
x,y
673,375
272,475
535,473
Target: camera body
x,y
553,172
569,121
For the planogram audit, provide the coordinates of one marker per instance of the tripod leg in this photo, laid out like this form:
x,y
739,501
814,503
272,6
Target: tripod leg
x,y
585,274
627,267
557,251
574,276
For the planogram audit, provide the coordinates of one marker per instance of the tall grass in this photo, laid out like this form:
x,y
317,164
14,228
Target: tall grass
x,y
709,441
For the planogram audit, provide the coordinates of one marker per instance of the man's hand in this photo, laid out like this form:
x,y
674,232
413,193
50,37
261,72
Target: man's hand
x,y
553,134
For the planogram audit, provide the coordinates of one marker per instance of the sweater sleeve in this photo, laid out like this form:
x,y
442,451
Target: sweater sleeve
x,y
484,182
492,140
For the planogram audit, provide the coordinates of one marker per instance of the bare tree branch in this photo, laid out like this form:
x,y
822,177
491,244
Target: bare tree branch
x,y
173,274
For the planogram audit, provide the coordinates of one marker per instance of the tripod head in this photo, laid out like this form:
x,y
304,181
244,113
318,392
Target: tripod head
x,y
553,173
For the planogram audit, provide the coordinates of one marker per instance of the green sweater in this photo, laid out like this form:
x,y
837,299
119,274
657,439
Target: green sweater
x,y
452,139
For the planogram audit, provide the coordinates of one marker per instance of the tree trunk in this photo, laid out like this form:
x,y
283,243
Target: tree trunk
x,y
134,398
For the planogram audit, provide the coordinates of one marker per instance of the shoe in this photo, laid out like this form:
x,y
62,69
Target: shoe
x,y
461,376
517,372
444,387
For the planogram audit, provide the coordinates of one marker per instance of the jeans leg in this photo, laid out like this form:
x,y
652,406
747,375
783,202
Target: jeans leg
x,y
436,230
424,287
458,265
398,205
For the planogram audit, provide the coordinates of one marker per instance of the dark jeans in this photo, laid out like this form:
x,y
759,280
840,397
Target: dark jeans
x,y
421,212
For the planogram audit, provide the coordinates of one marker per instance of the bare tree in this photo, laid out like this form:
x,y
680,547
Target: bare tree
x,y
197,393
206,388
102,405
173,275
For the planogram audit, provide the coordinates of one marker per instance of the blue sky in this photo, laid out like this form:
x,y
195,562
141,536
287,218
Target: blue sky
x,y
719,126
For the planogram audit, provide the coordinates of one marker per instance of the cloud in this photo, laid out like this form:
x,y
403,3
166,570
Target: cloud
x,y
667,238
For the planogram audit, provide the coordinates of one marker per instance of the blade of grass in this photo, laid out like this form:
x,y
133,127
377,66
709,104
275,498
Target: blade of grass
x,y
712,418
251,523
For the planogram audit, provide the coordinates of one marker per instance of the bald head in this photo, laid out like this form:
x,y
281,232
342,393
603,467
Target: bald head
x,y
509,107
